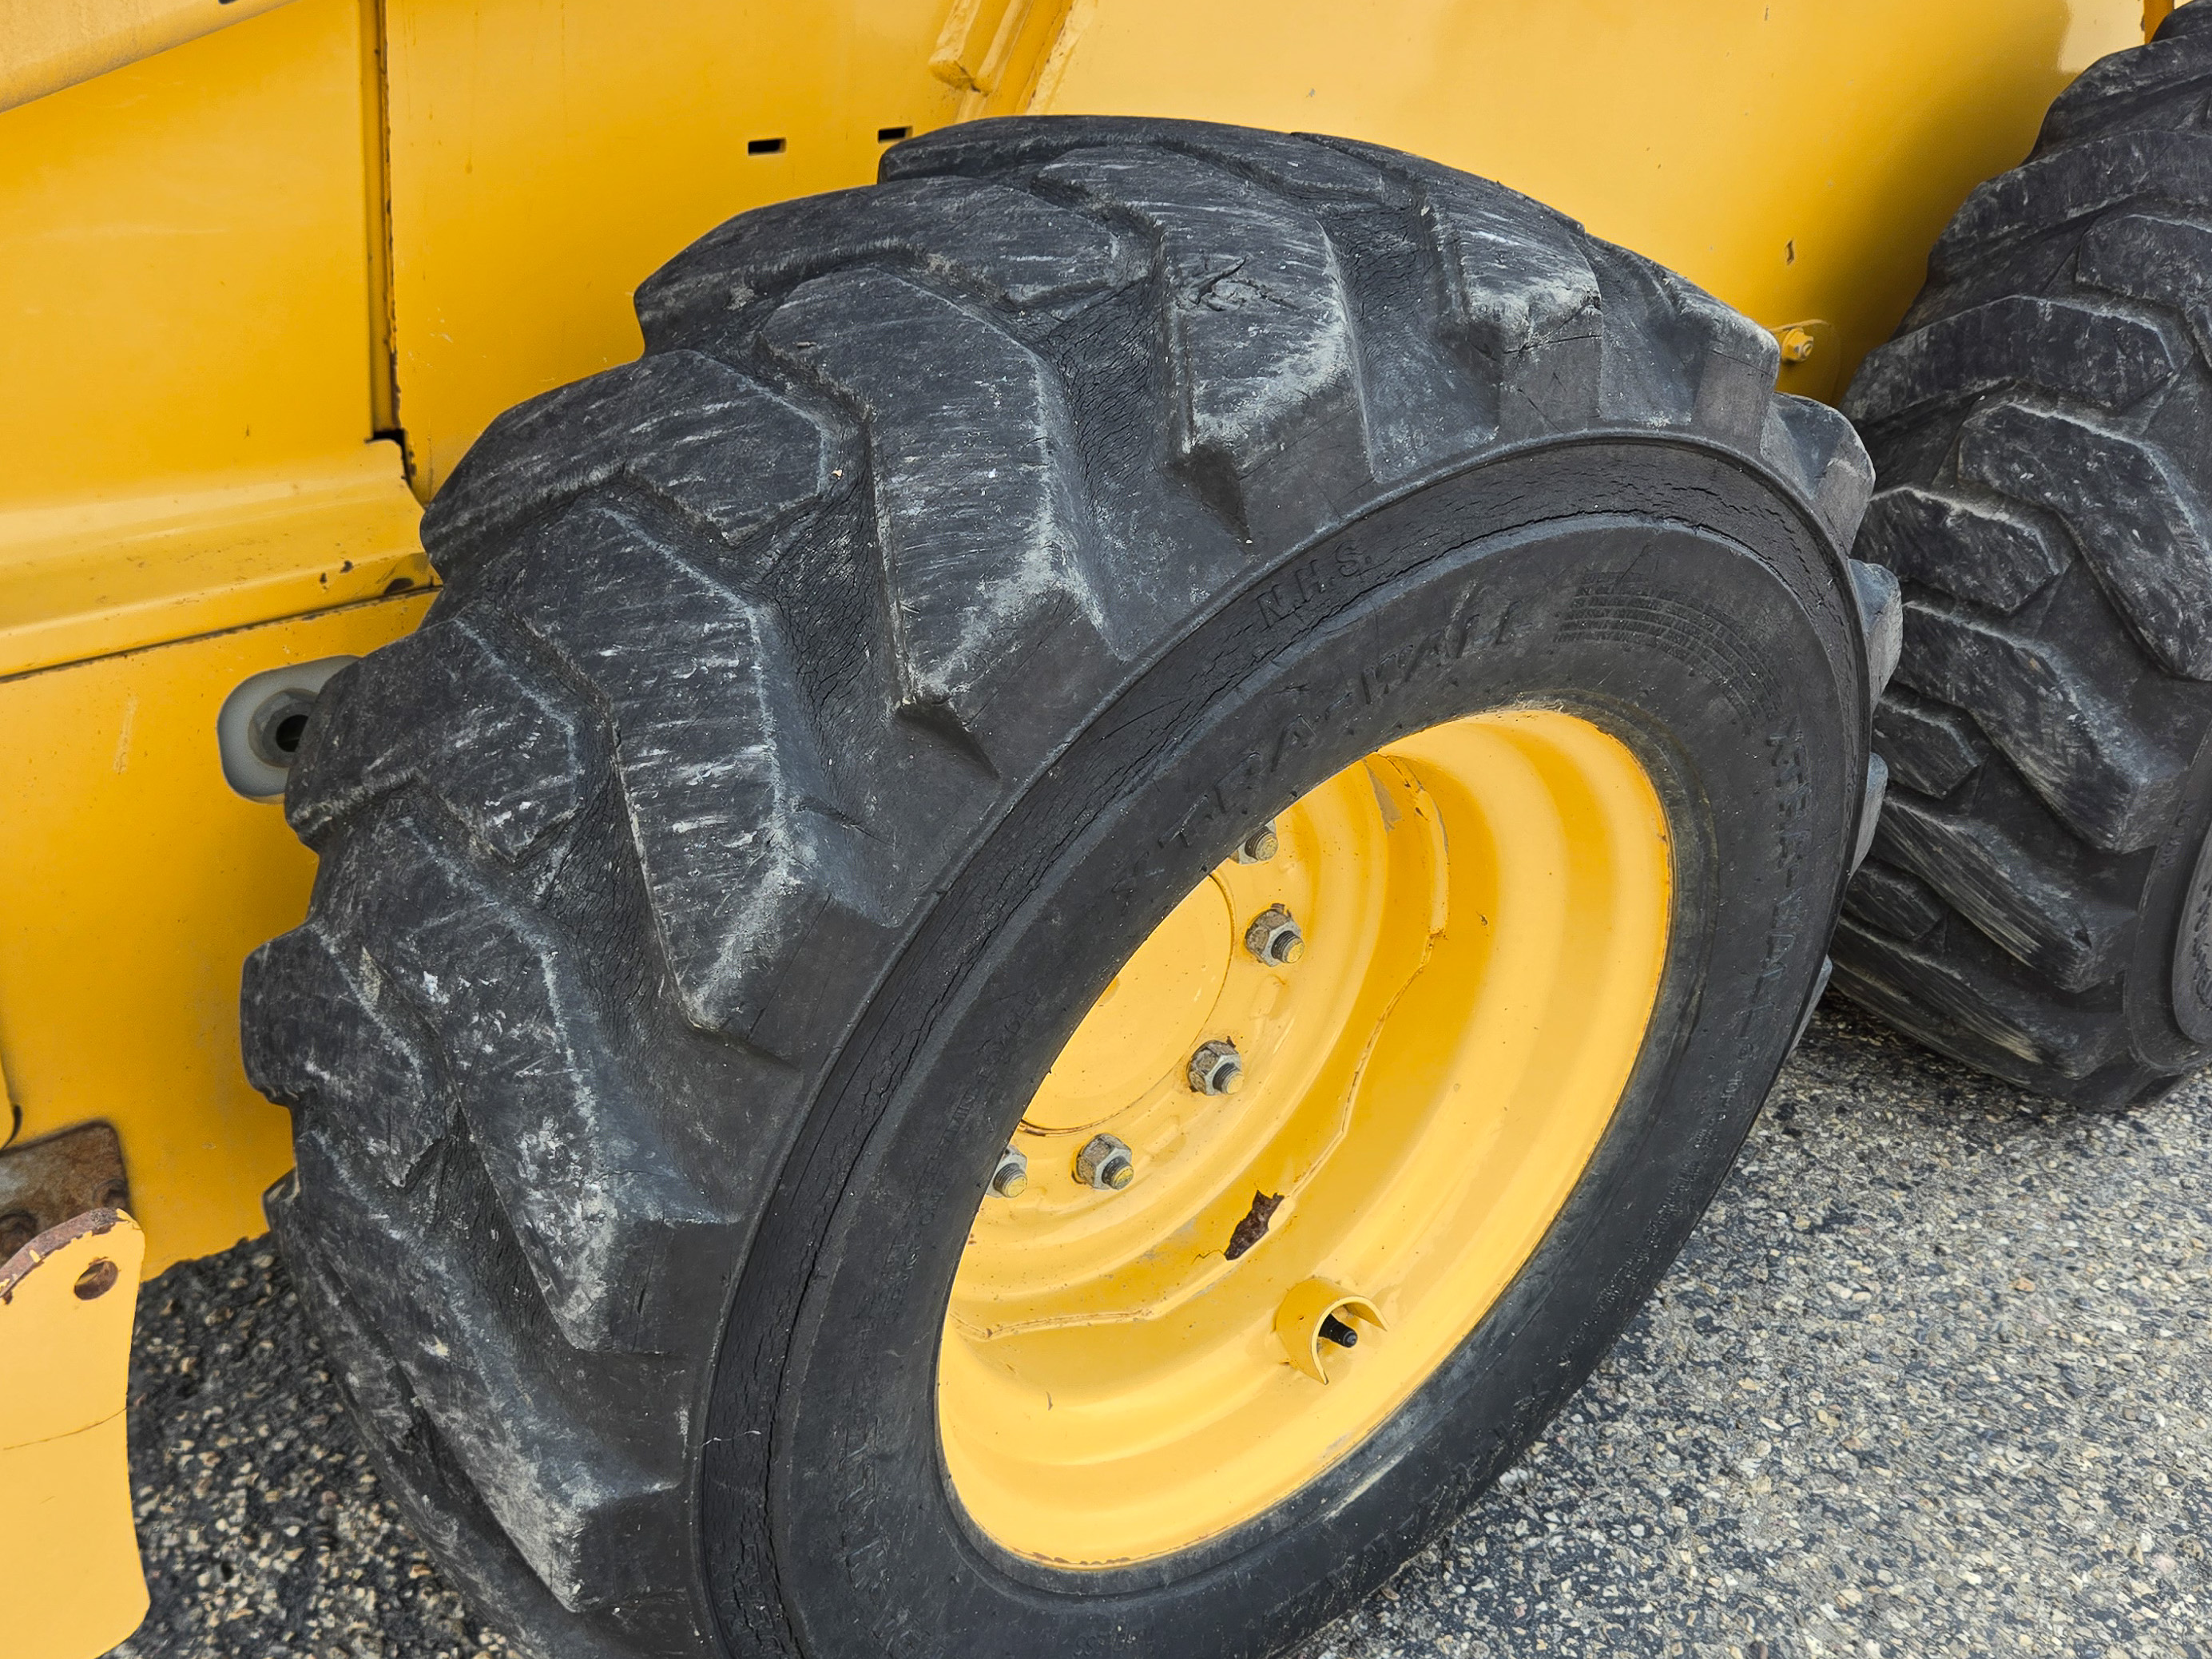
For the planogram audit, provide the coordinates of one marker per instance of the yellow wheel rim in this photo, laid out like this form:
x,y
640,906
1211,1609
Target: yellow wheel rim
x,y
1483,909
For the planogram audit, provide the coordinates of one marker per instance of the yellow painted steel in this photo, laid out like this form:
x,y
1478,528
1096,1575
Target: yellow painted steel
x,y
44,47
70,1585
1796,157
1485,907
546,155
133,881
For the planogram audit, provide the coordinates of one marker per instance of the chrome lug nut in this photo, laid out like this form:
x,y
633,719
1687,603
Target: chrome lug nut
x,y
1105,1163
1275,936
1012,1178
1217,1069
1260,846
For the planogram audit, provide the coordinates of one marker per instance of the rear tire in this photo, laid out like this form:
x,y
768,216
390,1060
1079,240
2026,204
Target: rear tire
x,y
819,710
2039,902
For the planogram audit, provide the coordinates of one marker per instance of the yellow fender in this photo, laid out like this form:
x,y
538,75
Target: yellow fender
x,y
70,1578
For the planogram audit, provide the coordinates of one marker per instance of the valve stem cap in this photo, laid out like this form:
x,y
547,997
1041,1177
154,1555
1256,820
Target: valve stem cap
x,y
1334,1329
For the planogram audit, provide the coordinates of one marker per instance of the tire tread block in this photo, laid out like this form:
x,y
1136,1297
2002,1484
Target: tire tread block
x,y
328,1033
729,797
981,515
1884,896
1952,1003
2067,346
602,1209
2077,748
1003,245
593,1523
2162,260
2070,184
1980,549
1930,747
716,444
446,708
1259,336
2035,914
2130,508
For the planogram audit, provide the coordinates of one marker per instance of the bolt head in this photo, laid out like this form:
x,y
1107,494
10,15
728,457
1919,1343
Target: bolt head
x,y
1012,1178
1217,1069
1275,937
1106,1163
1260,846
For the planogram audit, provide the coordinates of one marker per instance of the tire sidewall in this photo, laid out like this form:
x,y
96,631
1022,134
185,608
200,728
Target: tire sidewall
x,y
821,1459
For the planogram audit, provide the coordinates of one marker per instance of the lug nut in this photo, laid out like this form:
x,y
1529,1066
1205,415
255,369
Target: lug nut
x,y
1105,1163
1012,1178
1217,1069
1274,937
1260,846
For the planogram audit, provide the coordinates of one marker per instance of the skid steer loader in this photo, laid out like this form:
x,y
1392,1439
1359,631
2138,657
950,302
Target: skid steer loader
x,y
1020,797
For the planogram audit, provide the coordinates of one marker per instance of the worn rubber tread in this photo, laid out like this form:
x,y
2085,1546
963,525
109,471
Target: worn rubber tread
x,y
2079,349
2044,499
1973,546
607,846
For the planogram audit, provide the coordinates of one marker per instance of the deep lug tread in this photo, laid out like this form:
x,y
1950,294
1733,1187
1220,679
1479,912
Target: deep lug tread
x,y
1974,547
741,842
1881,619
330,1032
1884,896
2079,750
2131,511
1958,1004
2065,185
718,446
2162,261
501,750
2083,350
1259,341
2034,913
1001,425
1002,246
589,1516
1813,444
1930,747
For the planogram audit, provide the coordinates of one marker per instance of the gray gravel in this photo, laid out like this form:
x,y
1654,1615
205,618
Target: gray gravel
x,y
1934,1377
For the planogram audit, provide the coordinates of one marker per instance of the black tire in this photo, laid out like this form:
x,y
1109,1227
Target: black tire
x,y
2038,902
819,709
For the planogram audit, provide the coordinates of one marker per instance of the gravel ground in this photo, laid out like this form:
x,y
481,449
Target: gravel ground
x,y
1934,1377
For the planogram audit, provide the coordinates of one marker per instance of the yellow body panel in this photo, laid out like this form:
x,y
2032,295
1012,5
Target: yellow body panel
x,y
70,1585
133,881
44,47
1796,157
546,155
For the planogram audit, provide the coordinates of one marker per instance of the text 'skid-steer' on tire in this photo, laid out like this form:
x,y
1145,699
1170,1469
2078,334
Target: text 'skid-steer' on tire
x,y
1058,915
2039,901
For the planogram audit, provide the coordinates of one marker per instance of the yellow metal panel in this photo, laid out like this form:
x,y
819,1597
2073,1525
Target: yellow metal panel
x,y
48,45
94,577
70,1585
184,282
547,155
133,884
1797,157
